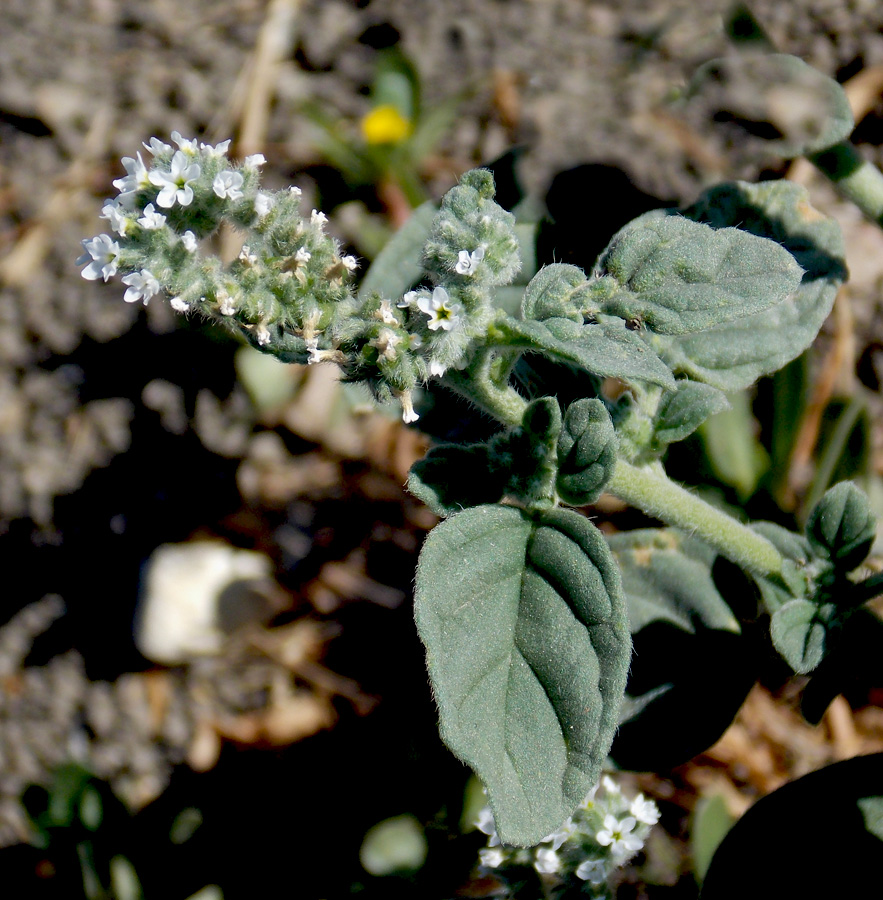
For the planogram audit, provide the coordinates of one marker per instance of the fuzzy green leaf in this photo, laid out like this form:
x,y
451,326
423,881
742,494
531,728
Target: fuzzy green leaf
x,y
586,452
798,631
683,411
527,647
842,526
555,292
451,477
606,348
732,356
680,277
666,577
794,107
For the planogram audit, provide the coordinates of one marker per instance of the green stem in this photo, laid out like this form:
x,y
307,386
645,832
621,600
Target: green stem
x,y
651,491
853,177
478,384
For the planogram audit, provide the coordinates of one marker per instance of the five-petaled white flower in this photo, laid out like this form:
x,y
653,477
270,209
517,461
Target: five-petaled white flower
x,y
227,184
216,150
151,220
226,307
302,256
408,300
317,219
547,861
136,180
644,810
263,203
175,184
114,212
101,254
178,305
436,368
156,146
557,838
592,870
491,857
617,834
442,311
468,262
188,239
188,146
254,160
349,263
142,286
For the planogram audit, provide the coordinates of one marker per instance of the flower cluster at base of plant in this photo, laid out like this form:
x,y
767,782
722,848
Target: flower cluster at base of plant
x,y
606,831
290,292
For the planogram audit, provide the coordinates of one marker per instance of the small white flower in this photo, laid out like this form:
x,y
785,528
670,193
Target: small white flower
x,y
188,239
415,342
385,313
263,203
136,180
226,306
592,870
644,810
317,219
547,861
247,256
557,838
294,191
227,184
436,368
468,262
175,184
349,263
253,161
151,220
486,824
216,151
589,800
611,788
179,305
187,146
442,311
491,857
386,343
113,212
156,146
101,254
618,836
141,286
408,300
409,416
262,333
302,256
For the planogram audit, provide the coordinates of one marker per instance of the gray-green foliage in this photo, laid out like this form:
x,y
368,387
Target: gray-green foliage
x,y
527,646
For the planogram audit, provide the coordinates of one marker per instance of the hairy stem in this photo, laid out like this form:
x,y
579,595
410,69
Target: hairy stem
x,y
651,491
853,177
478,383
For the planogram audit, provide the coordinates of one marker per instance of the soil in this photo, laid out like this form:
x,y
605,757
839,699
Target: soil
x,y
122,429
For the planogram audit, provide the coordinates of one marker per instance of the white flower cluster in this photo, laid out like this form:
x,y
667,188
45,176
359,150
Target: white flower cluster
x,y
605,832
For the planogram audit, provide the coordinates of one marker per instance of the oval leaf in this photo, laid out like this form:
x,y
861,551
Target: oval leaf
x,y
732,356
798,633
527,647
680,277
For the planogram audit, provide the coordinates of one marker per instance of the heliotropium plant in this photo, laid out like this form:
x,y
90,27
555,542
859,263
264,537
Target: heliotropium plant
x,y
525,608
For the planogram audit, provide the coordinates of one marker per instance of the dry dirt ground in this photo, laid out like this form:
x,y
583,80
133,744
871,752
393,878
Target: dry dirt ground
x,y
121,430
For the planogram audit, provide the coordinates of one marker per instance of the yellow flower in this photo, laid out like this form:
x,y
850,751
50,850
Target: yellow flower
x,y
385,125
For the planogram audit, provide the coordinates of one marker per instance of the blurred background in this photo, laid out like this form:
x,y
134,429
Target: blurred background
x,y
209,676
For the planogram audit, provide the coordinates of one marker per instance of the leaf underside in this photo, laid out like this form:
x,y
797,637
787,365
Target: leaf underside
x,y
528,648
